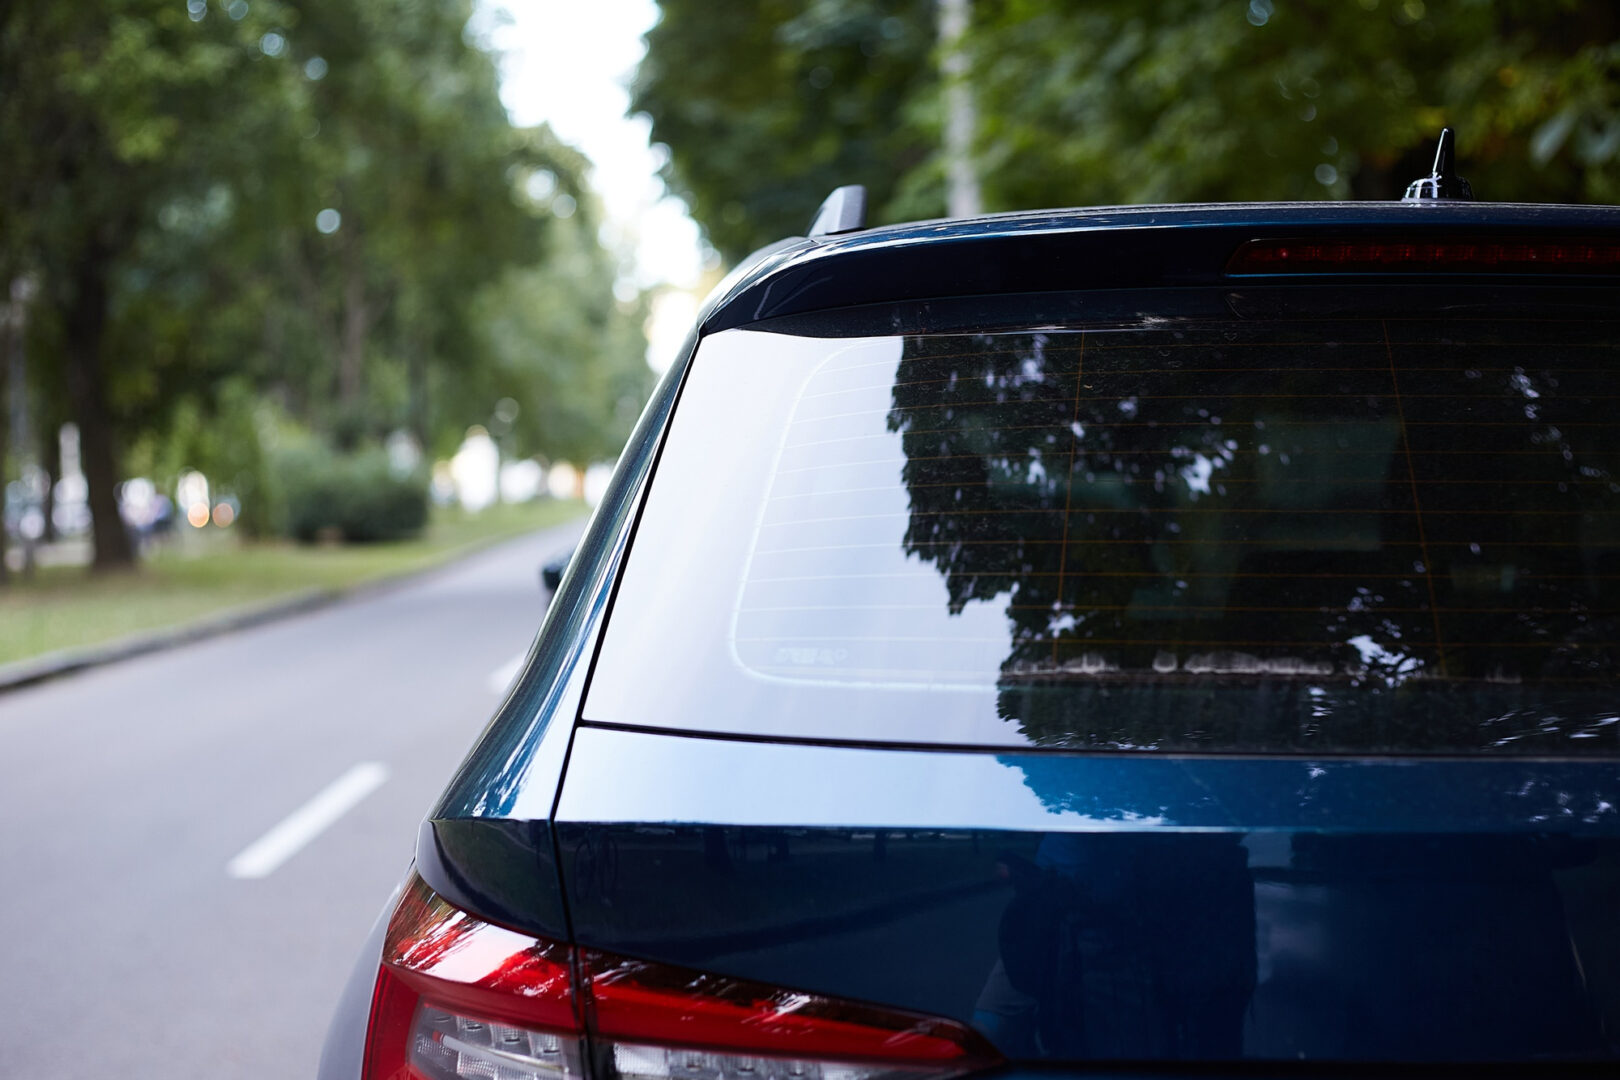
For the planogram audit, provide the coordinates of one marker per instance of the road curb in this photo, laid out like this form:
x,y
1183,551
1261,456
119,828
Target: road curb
x,y
54,665
39,669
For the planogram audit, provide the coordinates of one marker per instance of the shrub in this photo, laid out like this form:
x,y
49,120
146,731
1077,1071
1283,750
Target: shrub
x,y
358,497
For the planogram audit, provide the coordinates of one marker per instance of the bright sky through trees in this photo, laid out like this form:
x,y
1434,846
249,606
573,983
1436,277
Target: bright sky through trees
x,y
566,64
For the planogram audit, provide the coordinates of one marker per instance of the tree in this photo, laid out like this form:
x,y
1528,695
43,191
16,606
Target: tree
x,y
106,117
295,206
1112,101
1201,100
570,354
768,107
417,169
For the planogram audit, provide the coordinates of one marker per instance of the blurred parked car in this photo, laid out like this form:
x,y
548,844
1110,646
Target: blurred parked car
x,y
1151,636
552,570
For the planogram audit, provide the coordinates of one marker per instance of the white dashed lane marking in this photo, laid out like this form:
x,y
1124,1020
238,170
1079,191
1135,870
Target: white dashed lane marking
x,y
260,858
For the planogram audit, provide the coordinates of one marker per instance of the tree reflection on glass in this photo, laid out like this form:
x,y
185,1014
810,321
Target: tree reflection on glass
x,y
1348,535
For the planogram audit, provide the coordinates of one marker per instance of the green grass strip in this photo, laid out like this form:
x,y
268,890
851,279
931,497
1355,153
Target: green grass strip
x,y
201,576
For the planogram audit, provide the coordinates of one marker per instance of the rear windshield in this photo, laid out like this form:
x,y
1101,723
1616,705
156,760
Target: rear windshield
x,y
1310,536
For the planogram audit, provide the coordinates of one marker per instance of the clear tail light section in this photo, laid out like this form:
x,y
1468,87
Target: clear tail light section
x,y
448,1045
633,1062
460,997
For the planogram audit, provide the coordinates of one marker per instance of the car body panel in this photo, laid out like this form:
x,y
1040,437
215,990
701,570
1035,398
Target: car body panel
x,y
619,776
343,1052
1081,906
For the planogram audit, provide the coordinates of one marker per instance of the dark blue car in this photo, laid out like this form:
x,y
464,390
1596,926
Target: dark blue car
x,y
1151,637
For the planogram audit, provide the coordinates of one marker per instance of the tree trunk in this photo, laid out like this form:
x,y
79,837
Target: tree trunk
x,y
417,415
6,355
962,197
85,330
50,466
356,321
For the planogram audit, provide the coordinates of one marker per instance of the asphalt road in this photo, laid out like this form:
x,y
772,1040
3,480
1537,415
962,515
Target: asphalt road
x,y
129,794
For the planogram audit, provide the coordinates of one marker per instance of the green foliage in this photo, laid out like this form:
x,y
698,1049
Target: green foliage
x,y
1108,103
106,116
166,166
1114,101
566,351
767,107
357,497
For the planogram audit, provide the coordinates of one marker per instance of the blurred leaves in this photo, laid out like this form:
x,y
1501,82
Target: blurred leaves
x,y
360,497
167,163
536,316
1113,101
767,107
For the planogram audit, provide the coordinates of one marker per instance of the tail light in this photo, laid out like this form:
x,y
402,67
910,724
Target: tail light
x,y
460,997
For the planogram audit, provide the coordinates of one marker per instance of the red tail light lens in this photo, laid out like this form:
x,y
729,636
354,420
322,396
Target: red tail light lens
x,y
636,1002
1372,256
459,997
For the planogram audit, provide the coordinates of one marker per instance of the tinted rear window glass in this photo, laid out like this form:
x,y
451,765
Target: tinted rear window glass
x,y
1357,535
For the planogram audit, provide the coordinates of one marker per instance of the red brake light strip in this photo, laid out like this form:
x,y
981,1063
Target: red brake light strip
x,y
1463,255
637,1001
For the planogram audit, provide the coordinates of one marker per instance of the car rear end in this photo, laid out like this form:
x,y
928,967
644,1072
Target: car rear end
x,y
1153,637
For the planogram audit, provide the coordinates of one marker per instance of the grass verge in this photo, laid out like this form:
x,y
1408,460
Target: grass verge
x,y
63,607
